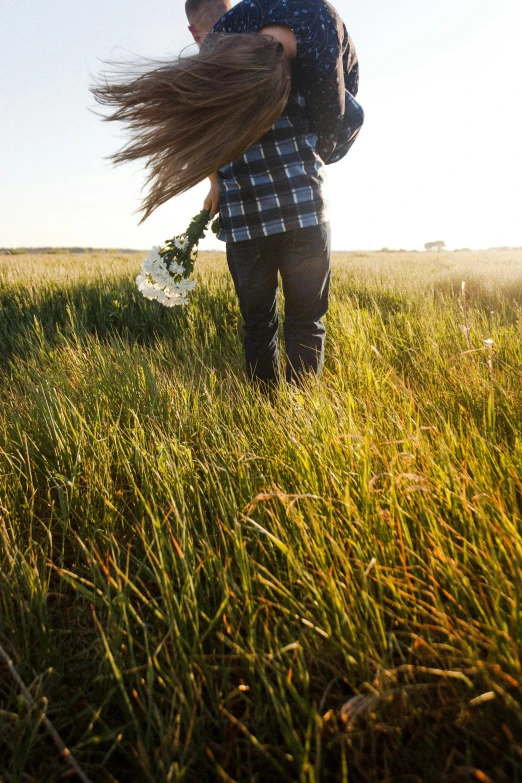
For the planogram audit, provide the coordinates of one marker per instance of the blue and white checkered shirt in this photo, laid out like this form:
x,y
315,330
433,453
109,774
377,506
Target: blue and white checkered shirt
x,y
277,185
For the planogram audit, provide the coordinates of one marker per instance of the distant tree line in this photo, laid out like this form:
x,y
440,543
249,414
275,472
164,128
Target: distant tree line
x,y
439,244
18,251
392,250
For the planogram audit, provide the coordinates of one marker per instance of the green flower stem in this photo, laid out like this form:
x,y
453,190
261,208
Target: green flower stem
x,y
187,256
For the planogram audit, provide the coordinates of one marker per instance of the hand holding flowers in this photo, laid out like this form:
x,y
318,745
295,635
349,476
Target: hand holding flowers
x,y
165,273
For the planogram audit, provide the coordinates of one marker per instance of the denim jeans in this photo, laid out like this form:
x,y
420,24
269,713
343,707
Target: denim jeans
x,y
303,258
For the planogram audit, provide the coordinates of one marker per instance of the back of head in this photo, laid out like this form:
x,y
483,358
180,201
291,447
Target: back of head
x,y
212,8
203,15
190,117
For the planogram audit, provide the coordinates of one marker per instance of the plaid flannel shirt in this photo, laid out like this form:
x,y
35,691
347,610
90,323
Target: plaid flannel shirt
x,y
277,185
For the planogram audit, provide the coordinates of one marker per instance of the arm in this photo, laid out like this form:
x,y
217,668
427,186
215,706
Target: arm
x,y
212,200
318,70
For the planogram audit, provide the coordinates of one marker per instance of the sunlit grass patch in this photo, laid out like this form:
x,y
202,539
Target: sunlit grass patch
x,y
206,584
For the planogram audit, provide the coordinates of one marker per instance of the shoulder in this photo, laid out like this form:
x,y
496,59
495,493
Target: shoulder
x,y
315,23
246,15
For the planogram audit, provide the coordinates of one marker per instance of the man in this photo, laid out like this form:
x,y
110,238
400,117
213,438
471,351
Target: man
x,y
271,203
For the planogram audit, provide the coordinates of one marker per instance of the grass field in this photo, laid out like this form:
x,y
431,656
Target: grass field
x,y
199,584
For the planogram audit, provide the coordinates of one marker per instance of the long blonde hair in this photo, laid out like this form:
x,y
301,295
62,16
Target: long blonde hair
x,y
190,117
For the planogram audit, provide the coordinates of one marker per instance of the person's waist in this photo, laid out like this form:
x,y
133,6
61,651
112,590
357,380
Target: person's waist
x,y
274,155
280,176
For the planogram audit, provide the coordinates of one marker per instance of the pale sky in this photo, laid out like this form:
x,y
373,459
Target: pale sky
x,y
439,156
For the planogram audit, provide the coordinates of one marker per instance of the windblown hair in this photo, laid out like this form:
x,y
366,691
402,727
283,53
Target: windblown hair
x,y
190,117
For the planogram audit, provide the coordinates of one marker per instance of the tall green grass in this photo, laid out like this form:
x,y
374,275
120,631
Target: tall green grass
x,y
199,583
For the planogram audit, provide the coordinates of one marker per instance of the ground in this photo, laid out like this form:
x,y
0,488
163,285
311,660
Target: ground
x,y
199,583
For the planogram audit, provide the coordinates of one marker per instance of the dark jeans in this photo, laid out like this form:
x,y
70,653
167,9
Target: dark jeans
x,y
303,258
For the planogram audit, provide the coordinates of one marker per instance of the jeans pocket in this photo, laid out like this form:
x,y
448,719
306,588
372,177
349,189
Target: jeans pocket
x,y
244,262
311,240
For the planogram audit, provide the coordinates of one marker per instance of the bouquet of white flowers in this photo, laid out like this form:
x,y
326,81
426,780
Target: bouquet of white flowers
x,y
165,273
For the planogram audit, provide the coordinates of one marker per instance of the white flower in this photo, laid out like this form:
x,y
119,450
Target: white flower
x,y
163,298
489,343
149,266
161,279
174,298
153,257
169,285
186,284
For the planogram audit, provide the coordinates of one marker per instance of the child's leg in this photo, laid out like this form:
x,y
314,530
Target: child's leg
x,y
305,267
253,266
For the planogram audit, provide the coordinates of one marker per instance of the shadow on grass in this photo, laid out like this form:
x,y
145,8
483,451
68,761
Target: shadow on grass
x,y
113,308
106,309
